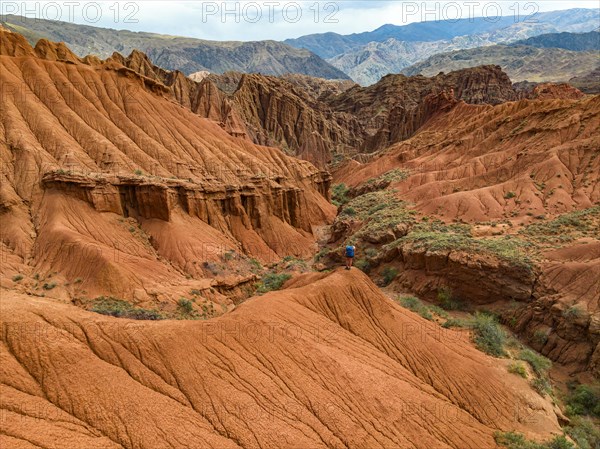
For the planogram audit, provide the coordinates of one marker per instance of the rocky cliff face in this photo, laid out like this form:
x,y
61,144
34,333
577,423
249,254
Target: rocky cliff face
x,y
323,121
396,107
144,192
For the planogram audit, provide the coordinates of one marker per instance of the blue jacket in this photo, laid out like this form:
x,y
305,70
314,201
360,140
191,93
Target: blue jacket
x,y
349,251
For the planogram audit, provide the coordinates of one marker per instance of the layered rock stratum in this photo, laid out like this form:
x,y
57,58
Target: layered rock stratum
x,y
107,179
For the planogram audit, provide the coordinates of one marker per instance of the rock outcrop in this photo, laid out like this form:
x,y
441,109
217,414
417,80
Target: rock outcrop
x,y
108,180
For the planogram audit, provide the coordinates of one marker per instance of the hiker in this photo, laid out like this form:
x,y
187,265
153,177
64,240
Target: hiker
x,y
350,249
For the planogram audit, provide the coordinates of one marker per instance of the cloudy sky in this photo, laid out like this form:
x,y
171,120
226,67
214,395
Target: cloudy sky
x,y
272,19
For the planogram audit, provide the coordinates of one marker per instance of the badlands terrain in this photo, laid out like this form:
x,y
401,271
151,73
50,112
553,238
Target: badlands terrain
x,y
171,249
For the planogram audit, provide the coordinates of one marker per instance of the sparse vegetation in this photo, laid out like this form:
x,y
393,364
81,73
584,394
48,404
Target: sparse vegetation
x,y
255,265
574,312
395,175
540,336
540,365
389,274
416,305
584,432
380,211
542,385
538,362
49,285
122,309
513,440
565,228
229,255
272,281
363,265
509,195
584,400
489,337
447,301
456,322
439,311
350,211
17,278
185,306
321,254
339,194
507,248
518,369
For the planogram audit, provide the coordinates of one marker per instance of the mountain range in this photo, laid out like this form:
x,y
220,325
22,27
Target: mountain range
x,y
363,57
521,62
177,53
395,50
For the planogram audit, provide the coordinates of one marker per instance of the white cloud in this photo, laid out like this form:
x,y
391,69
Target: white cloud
x,y
264,19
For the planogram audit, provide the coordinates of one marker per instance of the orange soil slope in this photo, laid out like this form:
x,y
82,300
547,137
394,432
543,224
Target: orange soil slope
x,y
464,162
106,179
328,362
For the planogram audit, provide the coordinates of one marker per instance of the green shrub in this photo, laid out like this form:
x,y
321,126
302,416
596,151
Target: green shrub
x,y
363,265
489,337
138,172
539,363
17,278
509,195
439,311
584,400
454,322
322,253
185,306
339,194
584,432
122,309
395,175
350,211
518,369
559,442
447,300
415,305
542,385
513,440
540,336
272,281
49,285
389,274
574,312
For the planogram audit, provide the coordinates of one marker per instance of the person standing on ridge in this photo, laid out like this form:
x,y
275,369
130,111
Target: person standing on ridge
x,y
350,250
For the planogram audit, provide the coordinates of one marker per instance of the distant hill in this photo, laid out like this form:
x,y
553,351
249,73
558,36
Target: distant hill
x,y
328,45
569,41
589,83
520,62
178,53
